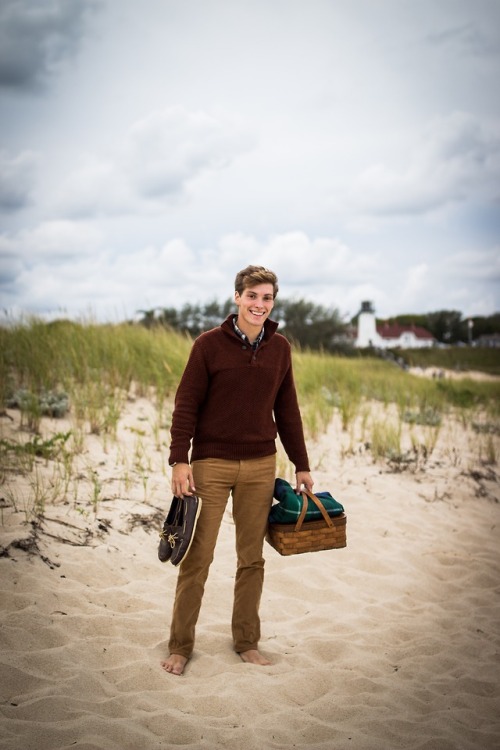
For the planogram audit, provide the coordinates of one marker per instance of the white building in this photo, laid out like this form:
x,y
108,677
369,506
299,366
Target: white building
x,y
389,335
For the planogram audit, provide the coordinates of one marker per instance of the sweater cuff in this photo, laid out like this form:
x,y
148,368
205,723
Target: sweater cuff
x,y
178,458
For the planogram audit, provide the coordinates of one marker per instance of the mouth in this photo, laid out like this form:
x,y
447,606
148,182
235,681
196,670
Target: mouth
x,y
257,314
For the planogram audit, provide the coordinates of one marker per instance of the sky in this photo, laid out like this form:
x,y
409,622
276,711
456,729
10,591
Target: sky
x,y
150,150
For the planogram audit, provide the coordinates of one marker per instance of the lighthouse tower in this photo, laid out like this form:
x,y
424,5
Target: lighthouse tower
x,y
367,331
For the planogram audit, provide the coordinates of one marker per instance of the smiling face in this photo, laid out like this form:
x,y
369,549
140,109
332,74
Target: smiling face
x,y
254,306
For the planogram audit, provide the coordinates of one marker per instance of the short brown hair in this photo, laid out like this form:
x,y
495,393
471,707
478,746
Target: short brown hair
x,y
253,275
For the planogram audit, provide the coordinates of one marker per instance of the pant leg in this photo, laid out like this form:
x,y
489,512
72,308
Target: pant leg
x,y
213,480
252,498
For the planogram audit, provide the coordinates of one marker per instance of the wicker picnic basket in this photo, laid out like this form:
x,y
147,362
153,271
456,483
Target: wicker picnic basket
x,y
308,536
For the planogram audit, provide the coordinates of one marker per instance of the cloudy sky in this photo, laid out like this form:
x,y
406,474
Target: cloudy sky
x,y
149,150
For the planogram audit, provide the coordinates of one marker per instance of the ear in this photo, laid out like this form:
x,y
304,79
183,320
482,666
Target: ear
x,y
237,298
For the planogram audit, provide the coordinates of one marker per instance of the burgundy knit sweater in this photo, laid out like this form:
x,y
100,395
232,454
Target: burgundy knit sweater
x,y
232,402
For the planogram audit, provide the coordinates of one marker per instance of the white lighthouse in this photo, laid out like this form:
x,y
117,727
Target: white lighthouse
x,y
367,330
389,335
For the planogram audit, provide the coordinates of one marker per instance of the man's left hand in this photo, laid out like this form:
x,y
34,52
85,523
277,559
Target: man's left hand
x,y
303,478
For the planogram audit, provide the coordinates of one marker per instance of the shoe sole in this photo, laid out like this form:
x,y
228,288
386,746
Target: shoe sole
x,y
195,521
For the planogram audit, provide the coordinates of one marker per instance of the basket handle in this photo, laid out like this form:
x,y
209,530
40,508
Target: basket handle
x,y
305,495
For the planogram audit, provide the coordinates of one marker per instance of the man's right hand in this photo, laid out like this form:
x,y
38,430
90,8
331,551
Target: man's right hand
x,y
182,480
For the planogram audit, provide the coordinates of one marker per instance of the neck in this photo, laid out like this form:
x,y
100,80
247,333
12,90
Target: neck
x,y
251,332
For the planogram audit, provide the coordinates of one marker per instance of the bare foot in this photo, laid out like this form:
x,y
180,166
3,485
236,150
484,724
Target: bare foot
x,y
174,664
254,657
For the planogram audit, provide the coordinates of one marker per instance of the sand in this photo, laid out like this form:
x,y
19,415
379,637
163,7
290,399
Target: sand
x,y
443,373
390,643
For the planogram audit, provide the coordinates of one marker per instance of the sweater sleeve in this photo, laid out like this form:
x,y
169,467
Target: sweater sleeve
x,y
190,395
289,422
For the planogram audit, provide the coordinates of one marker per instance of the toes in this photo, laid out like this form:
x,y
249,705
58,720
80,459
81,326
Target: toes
x,y
173,667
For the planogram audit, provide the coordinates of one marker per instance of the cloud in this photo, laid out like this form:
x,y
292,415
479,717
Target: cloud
x,y
96,188
11,265
168,149
17,175
415,286
37,37
50,241
467,38
156,268
40,267
465,281
159,159
167,275
322,269
57,265
309,255
70,266
456,159
183,146
475,265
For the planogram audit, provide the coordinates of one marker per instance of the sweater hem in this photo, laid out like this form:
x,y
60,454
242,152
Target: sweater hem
x,y
231,452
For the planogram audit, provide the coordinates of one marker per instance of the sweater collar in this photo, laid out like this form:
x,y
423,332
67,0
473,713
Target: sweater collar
x,y
244,337
270,327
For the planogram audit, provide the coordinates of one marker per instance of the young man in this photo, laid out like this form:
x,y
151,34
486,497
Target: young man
x,y
236,395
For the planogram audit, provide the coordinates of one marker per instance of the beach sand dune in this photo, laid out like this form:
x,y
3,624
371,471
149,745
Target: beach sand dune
x,y
390,643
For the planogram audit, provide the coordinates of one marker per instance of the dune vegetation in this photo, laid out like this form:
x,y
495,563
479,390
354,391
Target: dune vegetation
x,y
67,381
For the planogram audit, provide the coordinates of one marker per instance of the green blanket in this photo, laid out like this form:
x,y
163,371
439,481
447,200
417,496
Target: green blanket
x,y
289,505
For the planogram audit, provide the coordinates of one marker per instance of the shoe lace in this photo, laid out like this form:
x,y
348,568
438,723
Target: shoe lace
x,y
170,538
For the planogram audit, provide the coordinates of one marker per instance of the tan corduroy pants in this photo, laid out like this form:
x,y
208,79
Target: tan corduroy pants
x,y
251,484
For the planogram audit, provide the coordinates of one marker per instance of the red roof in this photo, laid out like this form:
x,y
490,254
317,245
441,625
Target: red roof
x,y
394,331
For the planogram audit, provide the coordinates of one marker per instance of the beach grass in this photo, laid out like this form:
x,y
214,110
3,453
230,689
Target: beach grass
x,y
456,358
86,372
325,381
96,366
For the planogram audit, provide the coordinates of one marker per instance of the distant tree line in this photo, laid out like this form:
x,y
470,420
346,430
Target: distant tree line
x,y
316,327
305,323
